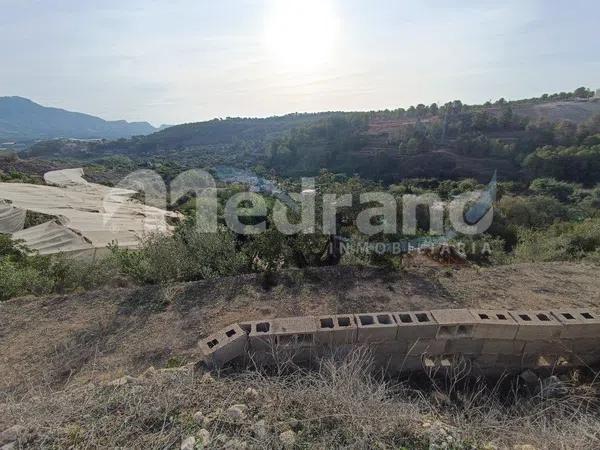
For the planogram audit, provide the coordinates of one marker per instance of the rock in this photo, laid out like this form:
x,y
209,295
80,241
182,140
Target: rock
x,y
123,381
288,438
11,446
235,444
529,377
199,417
294,423
188,443
251,394
12,434
440,434
524,447
204,437
237,413
207,379
260,429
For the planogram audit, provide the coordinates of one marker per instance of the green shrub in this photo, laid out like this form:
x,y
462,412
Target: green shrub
x,y
23,272
533,212
187,255
552,187
17,279
561,242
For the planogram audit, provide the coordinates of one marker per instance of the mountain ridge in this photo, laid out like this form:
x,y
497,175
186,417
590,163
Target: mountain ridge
x,y
22,119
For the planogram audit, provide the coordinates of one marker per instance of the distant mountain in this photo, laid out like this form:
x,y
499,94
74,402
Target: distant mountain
x,y
23,120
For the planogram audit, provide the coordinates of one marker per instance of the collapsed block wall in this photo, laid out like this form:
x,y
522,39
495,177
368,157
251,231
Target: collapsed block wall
x,y
488,340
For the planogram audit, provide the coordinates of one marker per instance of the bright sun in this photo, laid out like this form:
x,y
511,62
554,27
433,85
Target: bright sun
x,y
301,33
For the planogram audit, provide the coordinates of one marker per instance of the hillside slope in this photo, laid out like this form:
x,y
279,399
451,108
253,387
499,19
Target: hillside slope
x,y
67,361
574,111
22,119
105,334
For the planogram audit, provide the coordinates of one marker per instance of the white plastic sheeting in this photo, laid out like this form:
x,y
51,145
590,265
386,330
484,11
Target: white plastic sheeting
x,y
89,216
11,219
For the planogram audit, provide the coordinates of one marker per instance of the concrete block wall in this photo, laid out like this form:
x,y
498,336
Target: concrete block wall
x,y
224,346
488,340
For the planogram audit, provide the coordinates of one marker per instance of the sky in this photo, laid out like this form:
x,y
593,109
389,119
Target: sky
x,y
190,60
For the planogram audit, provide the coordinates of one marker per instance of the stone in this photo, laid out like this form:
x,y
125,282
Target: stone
x,y
237,412
123,381
260,429
199,417
207,379
288,438
524,447
204,437
11,446
251,394
188,443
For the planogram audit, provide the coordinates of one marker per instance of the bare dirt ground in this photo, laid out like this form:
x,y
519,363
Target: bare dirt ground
x,y
60,356
101,335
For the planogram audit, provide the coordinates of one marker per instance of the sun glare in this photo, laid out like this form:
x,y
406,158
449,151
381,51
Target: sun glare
x,y
301,33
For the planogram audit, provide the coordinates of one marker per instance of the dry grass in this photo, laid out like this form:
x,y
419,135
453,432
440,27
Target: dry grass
x,y
344,403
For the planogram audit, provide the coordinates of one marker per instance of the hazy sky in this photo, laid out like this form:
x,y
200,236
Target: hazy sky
x,y
189,60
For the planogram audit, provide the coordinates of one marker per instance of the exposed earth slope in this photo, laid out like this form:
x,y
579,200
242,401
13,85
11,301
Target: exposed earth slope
x,y
66,363
104,334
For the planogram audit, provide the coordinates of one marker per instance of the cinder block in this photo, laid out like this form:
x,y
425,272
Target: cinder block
x,y
509,362
496,364
295,338
426,347
465,346
404,363
295,331
415,325
484,360
502,347
556,347
389,347
579,323
454,323
260,335
494,324
336,330
376,327
586,359
537,325
222,347
590,345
